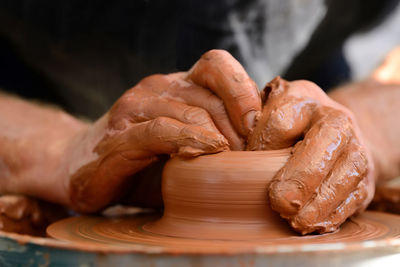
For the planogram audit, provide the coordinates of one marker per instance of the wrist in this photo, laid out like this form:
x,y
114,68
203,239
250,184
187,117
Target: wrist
x,y
80,155
81,148
35,159
375,106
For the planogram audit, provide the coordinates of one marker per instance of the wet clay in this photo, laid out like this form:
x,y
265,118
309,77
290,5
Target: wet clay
x,y
209,109
330,175
216,204
88,166
223,196
127,234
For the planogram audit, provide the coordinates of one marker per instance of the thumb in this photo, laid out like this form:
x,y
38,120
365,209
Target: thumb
x,y
284,118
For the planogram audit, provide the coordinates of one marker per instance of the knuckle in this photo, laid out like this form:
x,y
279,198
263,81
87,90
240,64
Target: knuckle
x,y
158,124
336,117
216,106
361,195
306,84
334,120
197,116
151,79
240,77
307,89
213,53
194,114
121,104
359,162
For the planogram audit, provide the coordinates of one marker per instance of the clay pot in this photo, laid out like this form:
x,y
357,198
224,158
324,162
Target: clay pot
x,y
218,204
221,196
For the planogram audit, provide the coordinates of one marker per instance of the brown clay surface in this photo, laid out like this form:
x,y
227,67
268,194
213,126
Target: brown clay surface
x,y
218,204
127,234
222,196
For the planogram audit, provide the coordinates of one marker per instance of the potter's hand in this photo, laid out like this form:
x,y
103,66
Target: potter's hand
x,y
181,113
329,176
26,215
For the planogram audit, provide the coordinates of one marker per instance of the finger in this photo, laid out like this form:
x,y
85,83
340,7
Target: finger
x,y
168,136
310,163
347,172
284,118
174,87
346,209
17,206
144,106
218,71
353,203
27,215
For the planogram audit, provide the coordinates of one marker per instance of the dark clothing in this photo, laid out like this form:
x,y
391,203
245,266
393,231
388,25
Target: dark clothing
x,y
83,55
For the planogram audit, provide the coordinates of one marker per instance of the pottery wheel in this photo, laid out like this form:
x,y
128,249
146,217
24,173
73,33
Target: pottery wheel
x,y
217,204
112,234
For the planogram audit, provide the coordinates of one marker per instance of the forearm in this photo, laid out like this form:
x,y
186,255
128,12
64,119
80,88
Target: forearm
x,y
376,107
33,143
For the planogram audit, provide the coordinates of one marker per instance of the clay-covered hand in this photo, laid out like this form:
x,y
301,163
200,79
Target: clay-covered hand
x,y
208,109
330,175
27,215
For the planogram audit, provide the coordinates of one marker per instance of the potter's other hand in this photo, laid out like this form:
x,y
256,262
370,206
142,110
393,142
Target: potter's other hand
x,y
208,109
330,175
26,215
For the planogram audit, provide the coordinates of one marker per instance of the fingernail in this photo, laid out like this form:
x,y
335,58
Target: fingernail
x,y
291,201
249,120
286,200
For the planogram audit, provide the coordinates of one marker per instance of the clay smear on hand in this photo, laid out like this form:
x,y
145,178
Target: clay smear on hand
x,y
326,179
209,109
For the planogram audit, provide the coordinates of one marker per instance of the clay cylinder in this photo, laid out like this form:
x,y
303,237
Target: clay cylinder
x,y
222,196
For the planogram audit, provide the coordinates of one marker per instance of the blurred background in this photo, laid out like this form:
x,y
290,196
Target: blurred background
x,y
82,55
